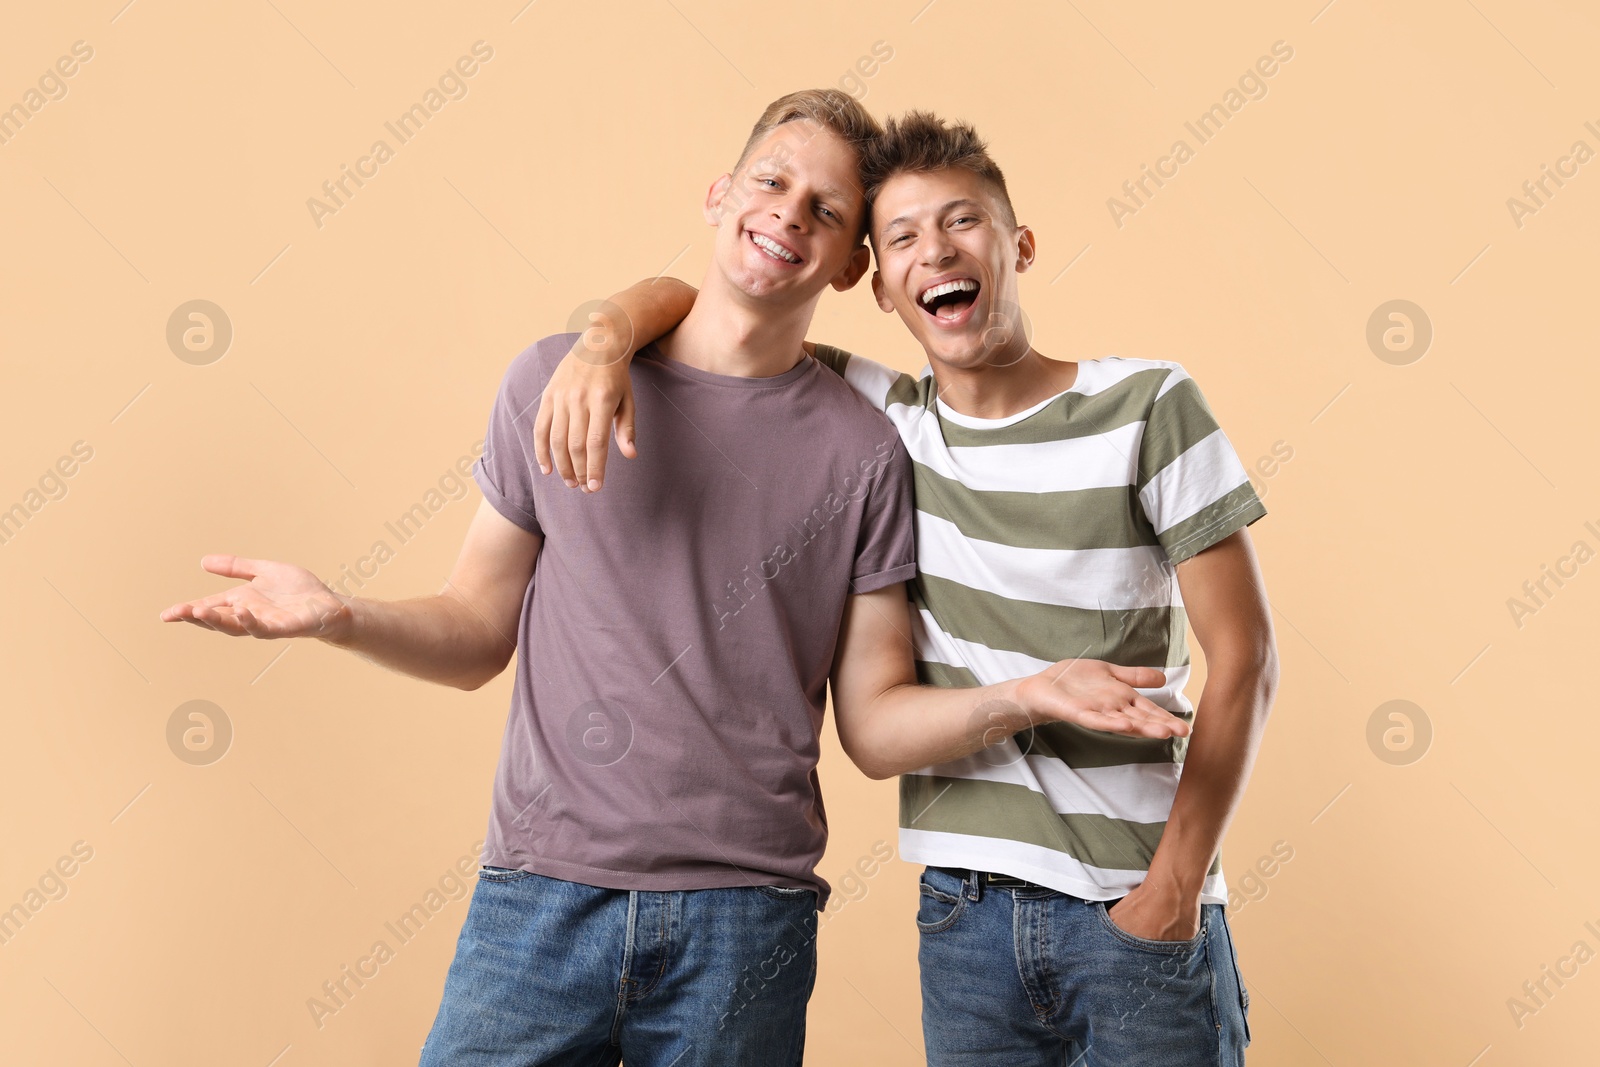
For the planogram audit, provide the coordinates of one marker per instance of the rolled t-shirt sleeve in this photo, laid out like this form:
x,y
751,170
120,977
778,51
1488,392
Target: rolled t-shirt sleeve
x,y
507,468
886,550
1191,484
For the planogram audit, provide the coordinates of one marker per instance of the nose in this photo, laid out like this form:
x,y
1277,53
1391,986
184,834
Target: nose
x,y
935,247
789,212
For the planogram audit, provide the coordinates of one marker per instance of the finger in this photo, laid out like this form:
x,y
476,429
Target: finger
x,y
541,433
1151,712
231,566
599,439
223,621
184,611
578,444
625,426
249,623
558,445
1161,724
1154,710
1110,722
1139,677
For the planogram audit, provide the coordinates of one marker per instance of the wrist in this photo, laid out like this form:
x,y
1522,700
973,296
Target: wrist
x,y
1173,884
341,624
1002,709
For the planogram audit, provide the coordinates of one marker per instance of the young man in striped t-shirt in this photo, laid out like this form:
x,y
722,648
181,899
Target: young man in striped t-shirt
x,y
1072,908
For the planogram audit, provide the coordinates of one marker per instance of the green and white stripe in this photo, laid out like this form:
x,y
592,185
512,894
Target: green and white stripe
x,y
1048,535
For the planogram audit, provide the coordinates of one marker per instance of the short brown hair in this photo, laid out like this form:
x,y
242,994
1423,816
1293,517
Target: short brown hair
x,y
832,109
920,142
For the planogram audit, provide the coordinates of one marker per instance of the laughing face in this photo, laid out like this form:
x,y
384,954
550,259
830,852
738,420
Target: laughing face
x,y
788,220
948,260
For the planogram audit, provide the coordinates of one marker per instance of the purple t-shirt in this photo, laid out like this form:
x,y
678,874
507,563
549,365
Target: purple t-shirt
x,y
676,640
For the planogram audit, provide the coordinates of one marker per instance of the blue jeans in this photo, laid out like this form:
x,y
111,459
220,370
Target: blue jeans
x,y
1027,976
550,972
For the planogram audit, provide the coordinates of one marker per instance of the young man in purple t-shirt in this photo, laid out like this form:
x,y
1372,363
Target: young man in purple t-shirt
x,y
649,888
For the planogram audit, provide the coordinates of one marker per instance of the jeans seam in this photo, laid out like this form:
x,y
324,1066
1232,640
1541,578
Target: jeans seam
x,y
1216,1016
1027,925
665,908
627,963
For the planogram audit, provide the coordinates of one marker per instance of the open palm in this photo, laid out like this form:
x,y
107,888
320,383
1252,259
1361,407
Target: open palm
x,y
277,600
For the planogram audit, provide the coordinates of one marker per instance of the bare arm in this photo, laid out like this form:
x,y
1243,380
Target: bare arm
x,y
1227,606
590,391
888,724
462,636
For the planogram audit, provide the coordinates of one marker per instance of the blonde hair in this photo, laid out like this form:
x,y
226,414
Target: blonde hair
x,y
833,110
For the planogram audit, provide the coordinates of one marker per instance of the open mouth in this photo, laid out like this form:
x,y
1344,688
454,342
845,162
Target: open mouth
x,y
951,301
774,251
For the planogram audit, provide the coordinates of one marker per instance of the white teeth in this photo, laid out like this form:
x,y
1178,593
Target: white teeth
x,y
774,249
959,285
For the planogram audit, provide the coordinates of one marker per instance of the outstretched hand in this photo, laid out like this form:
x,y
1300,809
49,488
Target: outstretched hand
x,y
278,600
1099,696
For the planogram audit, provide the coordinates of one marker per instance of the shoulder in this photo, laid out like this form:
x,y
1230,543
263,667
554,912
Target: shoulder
x,y
856,420
1164,372
880,385
531,368
1144,382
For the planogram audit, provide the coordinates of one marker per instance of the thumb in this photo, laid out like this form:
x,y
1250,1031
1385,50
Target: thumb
x,y
624,424
231,566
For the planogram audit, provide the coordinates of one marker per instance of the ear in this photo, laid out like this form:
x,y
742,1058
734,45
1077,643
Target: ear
x,y
1025,249
714,197
879,293
859,261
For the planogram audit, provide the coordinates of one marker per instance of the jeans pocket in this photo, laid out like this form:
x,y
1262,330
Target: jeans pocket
x,y
1169,948
501,874
937,909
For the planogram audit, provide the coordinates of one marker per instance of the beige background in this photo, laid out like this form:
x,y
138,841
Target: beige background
x,y
366,352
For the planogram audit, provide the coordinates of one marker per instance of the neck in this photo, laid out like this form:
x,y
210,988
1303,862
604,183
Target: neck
x,y
728,333
1004,384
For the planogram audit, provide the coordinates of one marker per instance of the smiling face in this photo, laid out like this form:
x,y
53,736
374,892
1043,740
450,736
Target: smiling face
x,y
789,219
948,260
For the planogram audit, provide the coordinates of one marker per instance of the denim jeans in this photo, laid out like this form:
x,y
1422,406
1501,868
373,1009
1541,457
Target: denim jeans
x,y
1025,976
550,972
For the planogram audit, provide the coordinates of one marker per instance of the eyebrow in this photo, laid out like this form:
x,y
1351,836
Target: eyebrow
x,y
834,191
962,202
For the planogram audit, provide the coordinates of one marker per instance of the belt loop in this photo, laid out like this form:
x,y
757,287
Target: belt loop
x,y
974,886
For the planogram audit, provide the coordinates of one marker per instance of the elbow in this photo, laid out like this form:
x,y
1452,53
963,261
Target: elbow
x,y
481,675
876,769
1249,667
1264,670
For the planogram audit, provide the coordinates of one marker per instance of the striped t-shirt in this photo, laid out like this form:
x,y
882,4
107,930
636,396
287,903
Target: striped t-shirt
x,y
1052,534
